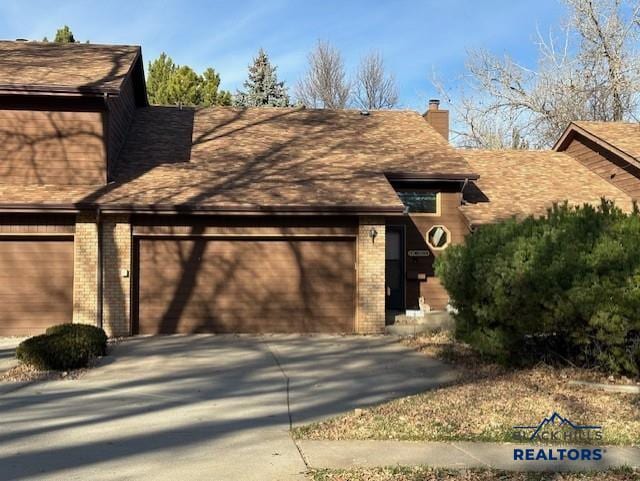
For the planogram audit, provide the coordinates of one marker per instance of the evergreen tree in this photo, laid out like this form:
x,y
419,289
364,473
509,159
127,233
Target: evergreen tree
x,y
184,87
211,95
64,35
262,88
158,78
171,84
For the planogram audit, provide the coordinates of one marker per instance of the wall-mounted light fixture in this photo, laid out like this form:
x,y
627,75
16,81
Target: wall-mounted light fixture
x,y
372,234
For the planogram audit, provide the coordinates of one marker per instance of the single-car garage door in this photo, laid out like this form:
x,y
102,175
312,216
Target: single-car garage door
x,y
266,285
36,284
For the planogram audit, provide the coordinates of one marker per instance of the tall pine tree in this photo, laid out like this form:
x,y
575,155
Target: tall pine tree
x,y
63,35
262,88
211,93
159,74
172,84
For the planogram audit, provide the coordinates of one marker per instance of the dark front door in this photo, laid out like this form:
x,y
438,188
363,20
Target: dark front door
x,y
394,268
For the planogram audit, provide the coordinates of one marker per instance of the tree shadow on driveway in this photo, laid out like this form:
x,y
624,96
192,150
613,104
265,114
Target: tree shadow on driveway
x,y
179,407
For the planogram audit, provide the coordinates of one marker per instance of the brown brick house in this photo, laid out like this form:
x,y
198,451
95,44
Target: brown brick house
x,y
148,219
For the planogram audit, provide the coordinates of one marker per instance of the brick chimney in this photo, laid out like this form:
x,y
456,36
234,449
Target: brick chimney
x,y
438,119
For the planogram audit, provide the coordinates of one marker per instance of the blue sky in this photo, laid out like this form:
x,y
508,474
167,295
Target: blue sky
x,y
417,38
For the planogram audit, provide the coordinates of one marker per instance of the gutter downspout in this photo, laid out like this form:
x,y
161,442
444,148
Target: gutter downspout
x,y
100,269
469,226
464,184
105,97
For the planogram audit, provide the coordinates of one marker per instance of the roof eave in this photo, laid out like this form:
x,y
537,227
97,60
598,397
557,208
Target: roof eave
x,y
188,209
573,129
255,210
56,89
560,143
407,176
136,73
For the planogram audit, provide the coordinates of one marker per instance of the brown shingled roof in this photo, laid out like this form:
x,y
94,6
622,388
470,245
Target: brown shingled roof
x,y
521,183
263,158
55,67
620,137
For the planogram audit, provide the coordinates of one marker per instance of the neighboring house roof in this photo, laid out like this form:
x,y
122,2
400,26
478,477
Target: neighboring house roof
x,y
521,183
72,68
621,138
263,159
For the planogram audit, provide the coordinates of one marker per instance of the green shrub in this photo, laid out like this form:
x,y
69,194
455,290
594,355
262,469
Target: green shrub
x,y
564,287
63,347
94,336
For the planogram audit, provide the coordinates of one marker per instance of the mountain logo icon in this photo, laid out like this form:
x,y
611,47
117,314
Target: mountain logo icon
x,y
559,428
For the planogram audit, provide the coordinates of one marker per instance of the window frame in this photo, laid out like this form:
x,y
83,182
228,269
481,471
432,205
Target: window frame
x,y
446,230
438,194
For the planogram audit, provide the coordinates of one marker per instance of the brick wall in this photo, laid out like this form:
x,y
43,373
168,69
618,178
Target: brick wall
x,y
116,280
371,267
85,270
116,259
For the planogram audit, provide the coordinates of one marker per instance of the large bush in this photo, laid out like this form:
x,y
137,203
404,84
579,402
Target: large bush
x,y
564,287
93,336
63,347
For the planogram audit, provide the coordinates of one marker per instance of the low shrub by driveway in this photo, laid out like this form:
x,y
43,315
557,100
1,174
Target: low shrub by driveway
x,y
63,347
430,474
484,405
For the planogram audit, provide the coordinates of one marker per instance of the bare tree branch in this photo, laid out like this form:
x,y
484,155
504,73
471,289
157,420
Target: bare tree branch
x,y
592,72
374,88
325,84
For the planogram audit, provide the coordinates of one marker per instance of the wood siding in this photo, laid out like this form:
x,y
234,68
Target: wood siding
x,y
607,165
36,284
170,224
244,285
251,231
51,147
416,228
121,112
37,224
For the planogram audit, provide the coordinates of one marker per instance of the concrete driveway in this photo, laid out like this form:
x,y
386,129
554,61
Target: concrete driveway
x,y
200,407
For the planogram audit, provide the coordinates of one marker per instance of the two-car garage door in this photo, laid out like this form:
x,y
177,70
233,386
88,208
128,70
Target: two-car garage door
x,y
36,284
186,285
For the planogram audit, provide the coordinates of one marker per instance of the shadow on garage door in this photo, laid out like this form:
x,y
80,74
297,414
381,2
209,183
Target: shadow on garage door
x,y
252,285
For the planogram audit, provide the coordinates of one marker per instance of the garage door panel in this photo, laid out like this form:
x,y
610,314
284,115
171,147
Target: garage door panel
x,y
33,306
246,285
36,285
33,283
34,269
200,309
243,325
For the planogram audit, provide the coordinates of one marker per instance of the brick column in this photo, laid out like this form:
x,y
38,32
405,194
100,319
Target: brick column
x,y
85,269
371,267
116,265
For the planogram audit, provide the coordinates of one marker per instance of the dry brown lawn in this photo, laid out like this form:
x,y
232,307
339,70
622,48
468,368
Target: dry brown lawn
x,y
429,474
485,403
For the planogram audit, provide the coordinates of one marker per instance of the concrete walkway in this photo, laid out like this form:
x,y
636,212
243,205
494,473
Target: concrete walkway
x,y
349,454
